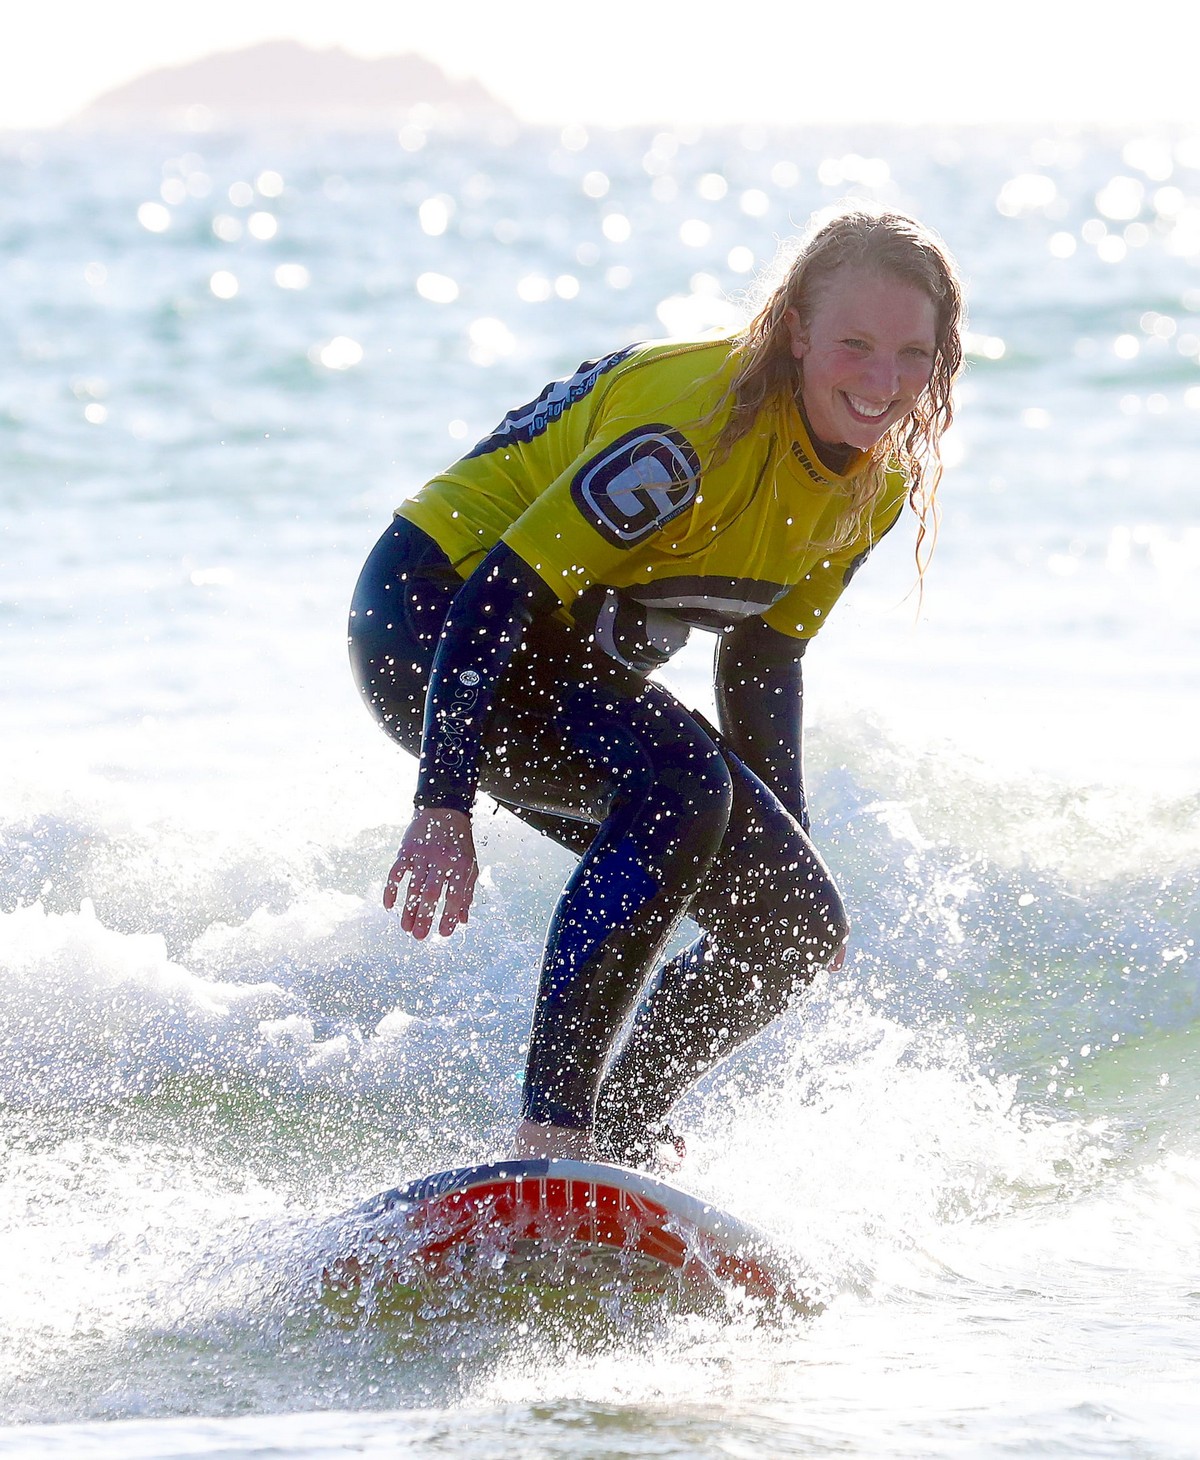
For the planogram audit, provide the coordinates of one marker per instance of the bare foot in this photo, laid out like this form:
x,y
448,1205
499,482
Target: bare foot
x,y
541,1141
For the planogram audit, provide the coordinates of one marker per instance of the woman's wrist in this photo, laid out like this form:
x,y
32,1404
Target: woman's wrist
x,y
433,807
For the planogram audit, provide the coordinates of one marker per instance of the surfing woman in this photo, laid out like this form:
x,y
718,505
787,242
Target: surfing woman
x,y
504,626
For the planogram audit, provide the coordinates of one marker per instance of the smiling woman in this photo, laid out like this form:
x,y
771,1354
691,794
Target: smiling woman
x,y
504,626
870,307
865,356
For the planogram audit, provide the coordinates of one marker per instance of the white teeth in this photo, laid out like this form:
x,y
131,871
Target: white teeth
x,y
865,408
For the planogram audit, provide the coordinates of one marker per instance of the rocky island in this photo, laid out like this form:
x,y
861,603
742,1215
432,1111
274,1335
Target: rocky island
x,y
286,82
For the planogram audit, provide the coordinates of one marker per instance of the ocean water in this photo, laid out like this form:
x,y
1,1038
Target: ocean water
x,y
226,359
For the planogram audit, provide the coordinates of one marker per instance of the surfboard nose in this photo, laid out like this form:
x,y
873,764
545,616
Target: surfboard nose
x,y
559,1226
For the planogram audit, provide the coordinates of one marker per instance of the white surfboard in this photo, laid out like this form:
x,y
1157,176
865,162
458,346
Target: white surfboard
x,y
558,1225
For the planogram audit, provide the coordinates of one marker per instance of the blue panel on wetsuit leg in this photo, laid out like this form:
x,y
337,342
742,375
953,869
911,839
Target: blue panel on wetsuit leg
x,y
610,891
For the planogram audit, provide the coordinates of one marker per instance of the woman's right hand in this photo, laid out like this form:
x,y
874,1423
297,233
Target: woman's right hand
x,y
437,854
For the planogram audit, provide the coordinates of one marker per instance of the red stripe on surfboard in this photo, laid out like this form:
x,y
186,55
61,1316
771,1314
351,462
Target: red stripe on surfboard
x,y
561,1210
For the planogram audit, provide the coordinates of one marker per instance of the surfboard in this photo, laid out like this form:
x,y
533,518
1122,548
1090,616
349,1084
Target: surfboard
x,y
556,1227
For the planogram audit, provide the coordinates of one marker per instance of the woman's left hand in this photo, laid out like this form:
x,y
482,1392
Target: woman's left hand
x,y
436,854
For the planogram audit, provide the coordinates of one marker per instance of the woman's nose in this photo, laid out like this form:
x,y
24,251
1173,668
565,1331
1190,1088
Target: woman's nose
x,y
883,375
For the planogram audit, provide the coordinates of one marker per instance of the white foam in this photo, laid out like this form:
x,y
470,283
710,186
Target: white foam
x,y
89,1013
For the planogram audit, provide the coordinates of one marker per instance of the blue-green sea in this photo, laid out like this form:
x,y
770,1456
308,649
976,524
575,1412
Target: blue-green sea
x,y
225,359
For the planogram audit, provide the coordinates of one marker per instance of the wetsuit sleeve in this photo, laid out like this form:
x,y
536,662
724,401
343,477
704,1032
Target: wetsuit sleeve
x,y
483,630
760,702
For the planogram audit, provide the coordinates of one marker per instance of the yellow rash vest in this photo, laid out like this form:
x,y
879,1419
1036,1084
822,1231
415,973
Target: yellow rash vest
x,y
611,477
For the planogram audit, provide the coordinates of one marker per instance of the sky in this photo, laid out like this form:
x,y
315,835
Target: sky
x,y
637,61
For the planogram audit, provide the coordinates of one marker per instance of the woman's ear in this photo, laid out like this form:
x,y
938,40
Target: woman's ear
x,y
796,332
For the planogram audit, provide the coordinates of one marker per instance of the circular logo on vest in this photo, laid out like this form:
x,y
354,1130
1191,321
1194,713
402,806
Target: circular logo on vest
x,y
469,677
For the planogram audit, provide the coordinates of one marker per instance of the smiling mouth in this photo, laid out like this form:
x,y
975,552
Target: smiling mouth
x,y
868,410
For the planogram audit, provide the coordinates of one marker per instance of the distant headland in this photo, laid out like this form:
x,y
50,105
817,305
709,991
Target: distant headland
x,y
284,81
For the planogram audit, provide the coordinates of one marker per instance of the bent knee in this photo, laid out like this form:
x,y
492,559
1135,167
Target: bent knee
x,y
706,786
696,793
678,788
785,914
791,954
800,942
812,922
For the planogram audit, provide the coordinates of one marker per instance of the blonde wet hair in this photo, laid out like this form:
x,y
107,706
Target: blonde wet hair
x,y
897,247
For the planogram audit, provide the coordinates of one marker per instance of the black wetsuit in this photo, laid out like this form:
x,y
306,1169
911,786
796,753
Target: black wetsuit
x,y
669,817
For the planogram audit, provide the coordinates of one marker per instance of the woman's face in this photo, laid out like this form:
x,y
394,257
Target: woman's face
x,y
865,356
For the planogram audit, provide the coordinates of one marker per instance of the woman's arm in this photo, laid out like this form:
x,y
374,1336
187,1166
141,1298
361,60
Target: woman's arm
x,y
483,630
760,705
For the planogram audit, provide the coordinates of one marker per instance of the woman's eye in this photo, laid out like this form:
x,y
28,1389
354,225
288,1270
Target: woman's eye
x,y
854,344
